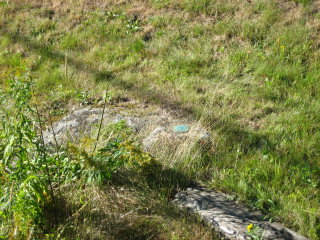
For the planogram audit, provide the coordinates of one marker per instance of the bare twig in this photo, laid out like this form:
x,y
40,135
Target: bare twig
x,y
66,66
43,151
102,115
57,149
69,220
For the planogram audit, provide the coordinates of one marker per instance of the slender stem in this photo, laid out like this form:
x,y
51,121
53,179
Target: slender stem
x,y
43,151
102,115
66,66
57,150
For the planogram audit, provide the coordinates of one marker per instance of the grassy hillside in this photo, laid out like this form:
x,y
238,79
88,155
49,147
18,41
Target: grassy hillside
x,y
248,68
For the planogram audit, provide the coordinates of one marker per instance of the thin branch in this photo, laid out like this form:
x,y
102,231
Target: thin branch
x,y
43,151
102,115
66,66
57,149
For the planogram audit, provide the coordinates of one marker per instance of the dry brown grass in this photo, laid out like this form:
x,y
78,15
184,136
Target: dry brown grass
x,y
124,212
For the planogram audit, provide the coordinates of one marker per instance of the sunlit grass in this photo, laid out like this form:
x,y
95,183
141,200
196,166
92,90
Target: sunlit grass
x,y
249,68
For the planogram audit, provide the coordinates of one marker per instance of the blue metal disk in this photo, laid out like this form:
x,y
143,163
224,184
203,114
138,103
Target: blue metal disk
x,y
181,129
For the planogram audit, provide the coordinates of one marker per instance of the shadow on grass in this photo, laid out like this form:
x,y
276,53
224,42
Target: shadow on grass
x,y
135,205
132,225
154,176
139,230
233,132
101,225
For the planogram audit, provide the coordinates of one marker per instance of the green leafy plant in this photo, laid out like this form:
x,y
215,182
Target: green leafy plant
x,y
133,25
31,176
255,232
24,166
99,167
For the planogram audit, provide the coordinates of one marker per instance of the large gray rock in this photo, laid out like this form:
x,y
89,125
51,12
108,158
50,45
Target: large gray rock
x,y
229,218
71,127
151,129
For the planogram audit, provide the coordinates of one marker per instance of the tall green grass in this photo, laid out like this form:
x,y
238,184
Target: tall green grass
x,y
250,68
32,174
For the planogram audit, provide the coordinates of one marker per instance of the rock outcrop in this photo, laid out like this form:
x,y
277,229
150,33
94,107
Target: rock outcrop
x,y
151,128
160,128
229,218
